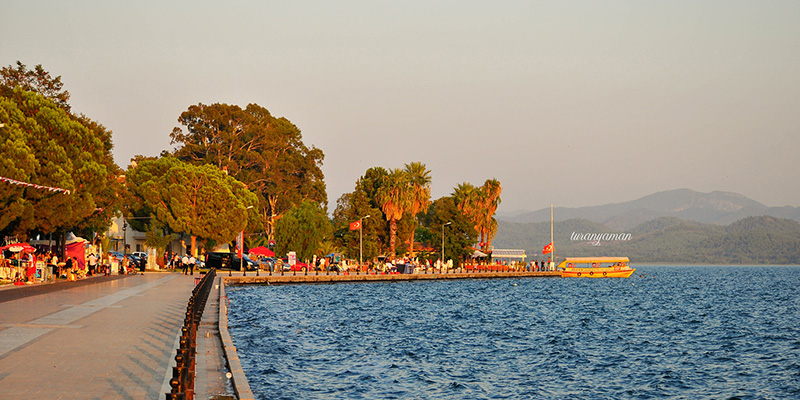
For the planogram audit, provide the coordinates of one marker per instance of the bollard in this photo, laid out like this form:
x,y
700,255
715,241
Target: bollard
x,y
183,374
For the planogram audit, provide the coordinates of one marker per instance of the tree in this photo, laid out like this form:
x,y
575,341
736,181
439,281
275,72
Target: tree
x,y
265,153
479,204
201,201
394,197
354,206
37,80
489,200
303,229
459,235
420,179
46,146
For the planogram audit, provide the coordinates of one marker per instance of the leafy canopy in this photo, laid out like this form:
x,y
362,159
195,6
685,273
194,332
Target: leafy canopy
x,y
303,230
265,153
201,201
43,144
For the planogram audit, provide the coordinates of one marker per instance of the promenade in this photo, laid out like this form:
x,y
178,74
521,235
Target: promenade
x,y
104,338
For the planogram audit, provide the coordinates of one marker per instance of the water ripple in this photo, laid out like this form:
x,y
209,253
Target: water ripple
x,y
678,332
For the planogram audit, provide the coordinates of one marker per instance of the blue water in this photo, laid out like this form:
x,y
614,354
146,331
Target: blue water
x,y
673,332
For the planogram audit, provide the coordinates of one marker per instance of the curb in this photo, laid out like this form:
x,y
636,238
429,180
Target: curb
x,y
238,379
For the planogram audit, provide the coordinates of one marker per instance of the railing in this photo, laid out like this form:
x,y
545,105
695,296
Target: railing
x,y
182,381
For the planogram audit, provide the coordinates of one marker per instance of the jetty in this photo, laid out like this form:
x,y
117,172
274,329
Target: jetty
x,y
314,277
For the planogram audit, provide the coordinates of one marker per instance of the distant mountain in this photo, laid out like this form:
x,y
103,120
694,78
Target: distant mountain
x,y
752,240
712,208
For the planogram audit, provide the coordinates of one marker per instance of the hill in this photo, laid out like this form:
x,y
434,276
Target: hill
x,y
710,208
752,240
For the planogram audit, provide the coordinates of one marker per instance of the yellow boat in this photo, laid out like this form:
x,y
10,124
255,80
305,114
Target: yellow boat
x,y
596,267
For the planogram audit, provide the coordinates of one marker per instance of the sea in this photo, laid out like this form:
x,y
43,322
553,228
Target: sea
x,y
667,332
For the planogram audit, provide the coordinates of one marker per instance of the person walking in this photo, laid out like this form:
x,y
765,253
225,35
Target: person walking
x,y
192,262
92,264
185,262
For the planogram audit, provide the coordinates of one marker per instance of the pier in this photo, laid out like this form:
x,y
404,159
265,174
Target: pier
x,y
313,277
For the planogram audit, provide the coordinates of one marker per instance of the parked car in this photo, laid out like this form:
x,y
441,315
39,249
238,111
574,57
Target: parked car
x,y
136,261
298,265
222,260
116,256
267,263
141,255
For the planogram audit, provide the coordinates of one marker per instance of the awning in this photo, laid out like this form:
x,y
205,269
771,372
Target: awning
x,y
478,254
262,251
509,253
17,247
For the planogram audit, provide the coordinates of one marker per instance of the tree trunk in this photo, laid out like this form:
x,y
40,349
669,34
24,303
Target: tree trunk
x,y
193,250
273,200
392,235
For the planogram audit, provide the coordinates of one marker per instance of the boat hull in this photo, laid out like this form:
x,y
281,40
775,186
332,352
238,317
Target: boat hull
x,y
607,272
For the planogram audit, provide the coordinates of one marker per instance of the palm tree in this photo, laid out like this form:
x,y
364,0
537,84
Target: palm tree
x,y
465,195
420,180
394,197
489,201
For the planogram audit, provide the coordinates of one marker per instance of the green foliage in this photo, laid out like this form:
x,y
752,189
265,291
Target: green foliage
x,y
158,238
352,207
46,145
459,235
201,201
37,80
303,229
265,153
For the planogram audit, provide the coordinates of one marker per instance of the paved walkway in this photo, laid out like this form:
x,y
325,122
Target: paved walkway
x,y
112,339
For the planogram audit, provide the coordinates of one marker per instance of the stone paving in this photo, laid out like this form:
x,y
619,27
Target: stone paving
x,y
113,339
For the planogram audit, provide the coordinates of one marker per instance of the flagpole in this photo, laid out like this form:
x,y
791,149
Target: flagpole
x,y
553,249
361,240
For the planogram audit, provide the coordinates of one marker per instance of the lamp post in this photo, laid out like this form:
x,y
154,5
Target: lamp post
x,y
443,225
361,240
241,246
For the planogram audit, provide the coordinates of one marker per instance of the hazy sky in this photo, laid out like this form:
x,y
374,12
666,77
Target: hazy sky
x,y
565,102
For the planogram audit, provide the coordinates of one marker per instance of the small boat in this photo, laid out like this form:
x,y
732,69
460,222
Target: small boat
x,y
596,267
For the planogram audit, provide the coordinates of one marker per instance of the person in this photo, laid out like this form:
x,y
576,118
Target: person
x,y
68,267
31,270
92,264
192,262
185,262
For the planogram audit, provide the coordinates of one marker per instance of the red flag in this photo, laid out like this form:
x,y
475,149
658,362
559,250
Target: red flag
x,y
548,248
354,226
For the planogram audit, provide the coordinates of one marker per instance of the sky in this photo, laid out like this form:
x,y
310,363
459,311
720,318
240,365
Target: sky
x,y
572,103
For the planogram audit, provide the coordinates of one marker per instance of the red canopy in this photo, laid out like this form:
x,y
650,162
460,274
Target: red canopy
x,y
16,247
262,251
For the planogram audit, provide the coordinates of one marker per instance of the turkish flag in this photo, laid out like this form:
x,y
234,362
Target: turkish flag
x,y
354,226
548,248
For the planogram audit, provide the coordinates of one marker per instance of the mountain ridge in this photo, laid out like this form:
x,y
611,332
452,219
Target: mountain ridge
x,y
716,207
751,240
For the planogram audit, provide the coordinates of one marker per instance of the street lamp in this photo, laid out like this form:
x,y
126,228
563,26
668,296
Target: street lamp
x,y
241,247
361,240
443,225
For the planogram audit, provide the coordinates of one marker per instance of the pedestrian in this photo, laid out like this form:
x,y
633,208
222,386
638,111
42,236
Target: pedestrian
x,y
31,270
92,264
68,266
185,263
192,262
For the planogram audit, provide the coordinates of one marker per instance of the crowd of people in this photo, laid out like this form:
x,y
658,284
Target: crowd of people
x,y
28,267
